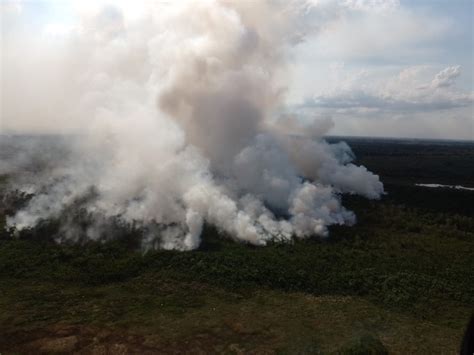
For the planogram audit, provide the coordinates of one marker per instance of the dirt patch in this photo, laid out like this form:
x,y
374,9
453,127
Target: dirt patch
x,y
62,339
56,345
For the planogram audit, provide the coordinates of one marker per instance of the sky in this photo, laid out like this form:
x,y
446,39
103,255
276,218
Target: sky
x,y
378,68
405,70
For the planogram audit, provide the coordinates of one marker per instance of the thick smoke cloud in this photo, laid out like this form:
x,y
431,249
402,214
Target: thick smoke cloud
x,y
177,126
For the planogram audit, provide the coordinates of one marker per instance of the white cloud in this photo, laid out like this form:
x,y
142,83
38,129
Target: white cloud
x,y
379,6
416,101
446,77
400,93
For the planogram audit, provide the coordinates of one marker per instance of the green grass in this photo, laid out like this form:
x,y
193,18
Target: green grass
x,y
401,280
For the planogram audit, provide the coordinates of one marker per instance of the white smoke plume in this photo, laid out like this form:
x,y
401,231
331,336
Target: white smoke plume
x,y
176,119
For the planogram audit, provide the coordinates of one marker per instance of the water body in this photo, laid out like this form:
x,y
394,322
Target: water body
x,y
457,187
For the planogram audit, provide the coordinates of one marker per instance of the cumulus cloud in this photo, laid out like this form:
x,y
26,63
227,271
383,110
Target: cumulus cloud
x,y
446,77
174,115
402,93
417,101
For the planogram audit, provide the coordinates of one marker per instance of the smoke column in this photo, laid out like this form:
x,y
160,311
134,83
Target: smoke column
x,y
175,115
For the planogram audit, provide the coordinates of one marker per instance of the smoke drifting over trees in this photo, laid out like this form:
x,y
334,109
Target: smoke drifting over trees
x,y
176,120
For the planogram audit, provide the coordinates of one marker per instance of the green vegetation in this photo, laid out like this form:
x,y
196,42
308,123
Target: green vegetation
x,y
441,162
400,281
398,267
